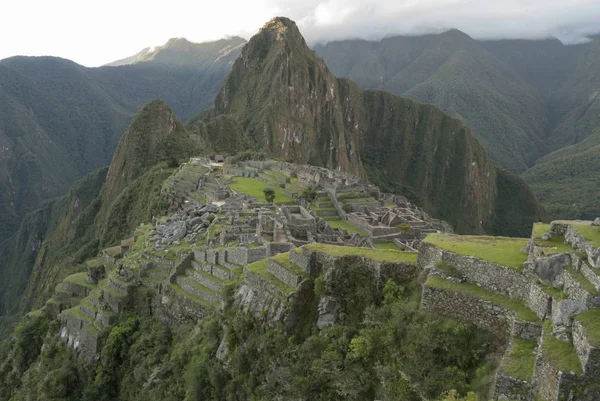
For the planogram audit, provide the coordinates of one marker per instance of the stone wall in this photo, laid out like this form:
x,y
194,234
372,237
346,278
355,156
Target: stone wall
x,y
589,355
481,313
511,388
283,274
576,292
258,296
175,307
275,248
301,259
539,302
491,276
551,384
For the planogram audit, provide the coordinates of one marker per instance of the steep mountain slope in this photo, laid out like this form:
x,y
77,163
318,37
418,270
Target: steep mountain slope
x,y
455,73
567,183
180,51
60,121
287,103
567,79
98,212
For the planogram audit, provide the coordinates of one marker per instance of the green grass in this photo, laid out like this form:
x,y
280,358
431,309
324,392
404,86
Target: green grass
x,y
582,280
387,245
552,291
255,187
284,260
591,233
590,321
555,244
504,251
79,314
518,306
539,229
561,353
346,226
261,268
520,361
177,289
374,254
79,279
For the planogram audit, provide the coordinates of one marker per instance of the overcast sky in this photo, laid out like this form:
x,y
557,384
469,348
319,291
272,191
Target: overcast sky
x,y
97,32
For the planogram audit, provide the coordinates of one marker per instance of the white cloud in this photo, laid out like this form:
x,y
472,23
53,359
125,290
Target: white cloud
x,y
99,32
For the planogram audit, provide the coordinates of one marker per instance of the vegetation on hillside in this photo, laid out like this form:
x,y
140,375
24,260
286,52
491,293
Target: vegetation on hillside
x,y
384,348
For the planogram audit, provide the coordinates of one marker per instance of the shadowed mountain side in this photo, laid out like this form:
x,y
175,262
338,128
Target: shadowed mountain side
x,y
457,74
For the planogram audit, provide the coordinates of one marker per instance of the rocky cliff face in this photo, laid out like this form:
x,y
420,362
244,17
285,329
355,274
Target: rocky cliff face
x,y
288,104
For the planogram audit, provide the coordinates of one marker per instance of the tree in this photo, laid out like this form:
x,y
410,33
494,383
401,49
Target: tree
x,y
269,194
309,194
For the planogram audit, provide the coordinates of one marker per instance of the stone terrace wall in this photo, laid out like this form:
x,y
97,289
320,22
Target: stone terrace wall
x,y
491,276
463,307
539,302
511,388
550,383
403,271
588,354
481,313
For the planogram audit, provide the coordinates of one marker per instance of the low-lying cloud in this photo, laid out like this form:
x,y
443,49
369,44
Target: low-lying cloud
x,y
570,21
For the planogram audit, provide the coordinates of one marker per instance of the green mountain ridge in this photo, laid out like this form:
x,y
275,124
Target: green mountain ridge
x,y
457,74
60,121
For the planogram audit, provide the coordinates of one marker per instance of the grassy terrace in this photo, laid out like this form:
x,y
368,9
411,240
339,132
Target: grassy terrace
x,y
261,268
554,245
390,246
176,288
553,291
501,250
518,306
590,321
591,233
284,260
79,279
374,254
561,353
346,226
520,361
582,280
255,187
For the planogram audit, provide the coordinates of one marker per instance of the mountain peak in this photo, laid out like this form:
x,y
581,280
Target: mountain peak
x,y
281,29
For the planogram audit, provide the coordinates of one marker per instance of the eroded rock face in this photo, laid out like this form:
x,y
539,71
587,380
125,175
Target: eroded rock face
x,y
562,311
549,269
328,308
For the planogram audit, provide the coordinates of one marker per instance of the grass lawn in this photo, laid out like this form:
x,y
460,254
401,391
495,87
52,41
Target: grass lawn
x,y
591,233
283,259
346,226
520,361
522,311
387,245
561,353
582,280
553,291
80,279
555,244
374,254
501,250
254,187
590,321
261,268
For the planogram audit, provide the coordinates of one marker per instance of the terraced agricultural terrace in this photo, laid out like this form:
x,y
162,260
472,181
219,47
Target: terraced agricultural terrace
x,y
223,242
